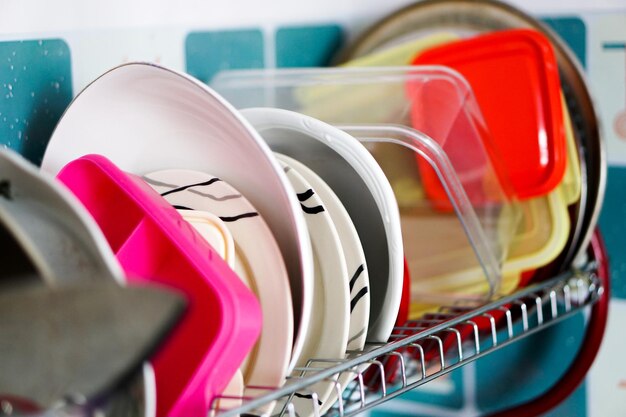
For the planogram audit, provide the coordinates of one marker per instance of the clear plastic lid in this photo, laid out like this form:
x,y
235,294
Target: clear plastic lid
x,y
423,126
545,224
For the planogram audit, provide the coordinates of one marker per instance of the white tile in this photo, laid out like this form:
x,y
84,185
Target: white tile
x,y
606,386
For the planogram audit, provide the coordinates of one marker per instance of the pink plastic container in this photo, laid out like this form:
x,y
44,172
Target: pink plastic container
x,y
154,244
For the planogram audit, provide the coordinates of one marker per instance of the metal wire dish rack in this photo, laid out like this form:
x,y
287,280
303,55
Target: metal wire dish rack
x,y
422,350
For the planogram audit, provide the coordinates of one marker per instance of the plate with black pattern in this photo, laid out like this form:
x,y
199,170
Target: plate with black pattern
x,y
145,117
358,277
330,319
361,185
258,262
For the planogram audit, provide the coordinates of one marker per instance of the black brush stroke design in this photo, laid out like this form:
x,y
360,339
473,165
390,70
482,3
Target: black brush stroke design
x,y
357,297
312,210
356,276
182,207
305,195
308,396
239,216
184,187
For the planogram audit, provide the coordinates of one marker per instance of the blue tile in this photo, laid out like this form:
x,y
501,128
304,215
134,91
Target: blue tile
x,y
307,46
574,406
35,89
511,376
574,32
613,228
529,367
208,53
449,398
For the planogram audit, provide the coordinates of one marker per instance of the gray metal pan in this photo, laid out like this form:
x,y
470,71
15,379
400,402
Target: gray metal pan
x,y
59,237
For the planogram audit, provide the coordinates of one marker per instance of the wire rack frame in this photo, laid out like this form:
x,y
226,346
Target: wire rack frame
x,y
421,350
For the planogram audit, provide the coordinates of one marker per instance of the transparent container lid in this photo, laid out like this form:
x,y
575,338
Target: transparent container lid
x,y
542,233
449,253
544,226
423,126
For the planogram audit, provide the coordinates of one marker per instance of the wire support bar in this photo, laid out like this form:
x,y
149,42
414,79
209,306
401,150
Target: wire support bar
x,y
555,295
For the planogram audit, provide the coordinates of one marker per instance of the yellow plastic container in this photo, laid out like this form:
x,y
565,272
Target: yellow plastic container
x,y
544,226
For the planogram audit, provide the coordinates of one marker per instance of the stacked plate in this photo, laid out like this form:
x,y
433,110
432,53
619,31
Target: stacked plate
x,y
189,193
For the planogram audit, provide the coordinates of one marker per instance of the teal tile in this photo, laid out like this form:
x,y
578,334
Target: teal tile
x,y
307,46
613,228
574,32
208,53
35,89
574,406
529,367
449,398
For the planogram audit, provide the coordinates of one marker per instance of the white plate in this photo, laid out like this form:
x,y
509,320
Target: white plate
x,y
330,321
359,182
146,118
257,261
358,278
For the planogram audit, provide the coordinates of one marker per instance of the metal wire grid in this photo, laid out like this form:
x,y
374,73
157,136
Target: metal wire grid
x,y
422,350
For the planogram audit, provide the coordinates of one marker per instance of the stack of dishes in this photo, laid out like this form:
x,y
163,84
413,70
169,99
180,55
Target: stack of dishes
x,y
531,178
299,211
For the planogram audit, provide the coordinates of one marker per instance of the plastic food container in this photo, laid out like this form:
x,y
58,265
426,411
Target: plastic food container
x,y
532,246
515,77
154,244
455,245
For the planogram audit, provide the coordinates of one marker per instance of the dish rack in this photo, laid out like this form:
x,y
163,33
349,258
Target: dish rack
x,y
420,347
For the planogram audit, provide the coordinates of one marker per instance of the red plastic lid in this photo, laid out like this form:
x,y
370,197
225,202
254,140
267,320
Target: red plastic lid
x,y
514,76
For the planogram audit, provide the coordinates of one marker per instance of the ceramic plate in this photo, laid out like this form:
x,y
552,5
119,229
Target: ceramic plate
x,y
329,329
146,118
358,275
257,260
358,283
359,182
